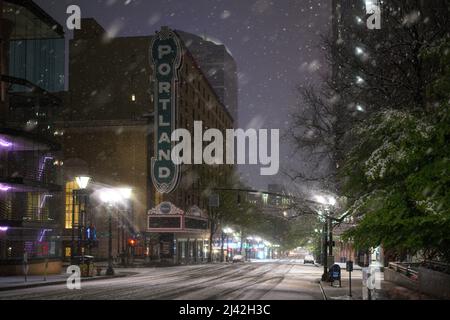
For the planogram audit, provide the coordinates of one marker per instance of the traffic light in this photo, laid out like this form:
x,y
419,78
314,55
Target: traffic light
x,y
91,237
131,242
91,233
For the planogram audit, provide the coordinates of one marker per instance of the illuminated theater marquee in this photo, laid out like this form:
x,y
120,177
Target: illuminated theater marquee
x,y
166,55
166,217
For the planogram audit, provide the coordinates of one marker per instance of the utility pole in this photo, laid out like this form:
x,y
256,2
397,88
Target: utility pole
x,y
110,270
325,251
72,243
330,238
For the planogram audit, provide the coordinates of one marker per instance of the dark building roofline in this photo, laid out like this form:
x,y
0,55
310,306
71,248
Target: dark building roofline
x,y
40,13
189,54
98,30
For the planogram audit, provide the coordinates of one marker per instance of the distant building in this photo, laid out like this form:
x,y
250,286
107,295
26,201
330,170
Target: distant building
x,y
275,197
275,201
107,129
30,189
219,67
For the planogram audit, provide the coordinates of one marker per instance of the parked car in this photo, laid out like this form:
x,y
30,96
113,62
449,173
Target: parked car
x,y
238,258
308,259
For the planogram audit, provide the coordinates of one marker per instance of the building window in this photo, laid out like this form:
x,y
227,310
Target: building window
x,y
32,206
70,186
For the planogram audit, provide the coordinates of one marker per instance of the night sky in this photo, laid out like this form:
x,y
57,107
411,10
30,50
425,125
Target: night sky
x,y
276,45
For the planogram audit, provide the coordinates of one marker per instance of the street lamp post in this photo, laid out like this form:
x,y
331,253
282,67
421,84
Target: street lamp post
x,y
325,251
81,214
330,237
119,229
328,203
111,197
110,270
125,196
82,183
72,243
222,238
228,247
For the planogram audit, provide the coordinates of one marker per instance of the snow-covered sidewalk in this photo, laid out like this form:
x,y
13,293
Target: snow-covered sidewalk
x,y
18,282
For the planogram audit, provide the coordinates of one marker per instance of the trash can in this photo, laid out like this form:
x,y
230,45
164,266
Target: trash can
x,y
86,264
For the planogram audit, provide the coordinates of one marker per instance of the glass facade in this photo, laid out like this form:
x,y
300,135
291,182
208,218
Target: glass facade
x,y
31,198
39,61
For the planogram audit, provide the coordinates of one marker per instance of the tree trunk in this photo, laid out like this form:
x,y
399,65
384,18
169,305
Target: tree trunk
x,y
242,243
211,235
222,257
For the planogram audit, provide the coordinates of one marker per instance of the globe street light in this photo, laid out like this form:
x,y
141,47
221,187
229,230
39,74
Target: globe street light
x,y
82,183
328,202
110,197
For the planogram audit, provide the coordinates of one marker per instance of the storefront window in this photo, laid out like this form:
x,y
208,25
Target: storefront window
x,y
69,205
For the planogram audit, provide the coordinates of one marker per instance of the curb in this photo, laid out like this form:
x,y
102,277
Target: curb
x,y
45,284
323,291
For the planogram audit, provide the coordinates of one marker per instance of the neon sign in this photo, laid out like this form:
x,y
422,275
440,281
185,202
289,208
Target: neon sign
x,y
166,55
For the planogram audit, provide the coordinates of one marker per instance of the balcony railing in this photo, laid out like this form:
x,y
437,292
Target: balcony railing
x,y
36,166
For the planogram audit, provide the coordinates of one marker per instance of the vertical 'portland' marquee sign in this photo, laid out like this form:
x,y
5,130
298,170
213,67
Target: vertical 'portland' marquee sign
x,y
166,55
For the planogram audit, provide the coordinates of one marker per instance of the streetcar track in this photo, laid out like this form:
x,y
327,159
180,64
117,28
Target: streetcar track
x,y
204,281
235,279
280,278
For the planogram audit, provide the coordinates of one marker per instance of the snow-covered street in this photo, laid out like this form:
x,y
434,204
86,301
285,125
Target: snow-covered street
x,y
280,279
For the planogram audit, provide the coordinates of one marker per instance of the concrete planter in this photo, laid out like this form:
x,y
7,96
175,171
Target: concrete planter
x,y
434,283
400,279
431,283
36,267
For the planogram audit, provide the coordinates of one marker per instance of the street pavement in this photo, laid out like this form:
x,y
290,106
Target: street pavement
x,y
256,280
267,280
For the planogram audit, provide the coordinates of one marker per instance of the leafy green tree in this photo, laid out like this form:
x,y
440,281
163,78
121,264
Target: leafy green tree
x,y
398,172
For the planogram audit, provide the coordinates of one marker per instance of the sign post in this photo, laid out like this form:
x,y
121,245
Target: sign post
x,y
349,268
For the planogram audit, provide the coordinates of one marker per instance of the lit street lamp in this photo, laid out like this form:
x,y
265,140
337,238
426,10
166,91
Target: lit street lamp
x,y
111,197
328,203
82,183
